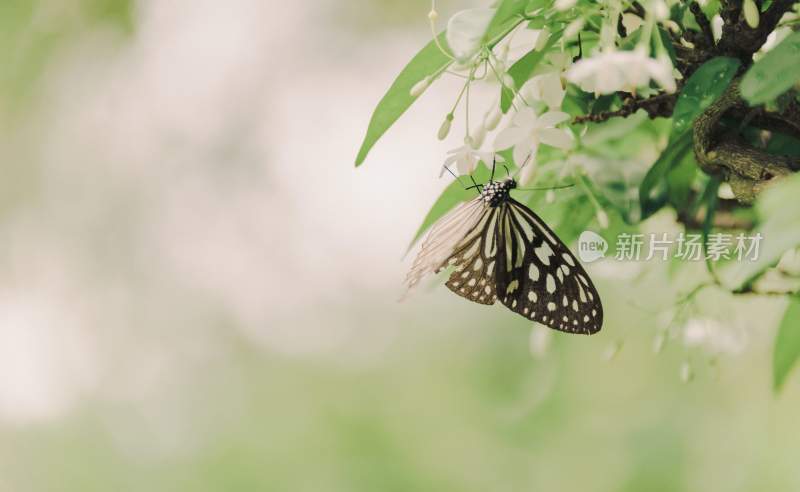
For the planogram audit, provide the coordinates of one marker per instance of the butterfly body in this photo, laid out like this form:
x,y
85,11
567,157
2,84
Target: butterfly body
x,y
496,192
500,250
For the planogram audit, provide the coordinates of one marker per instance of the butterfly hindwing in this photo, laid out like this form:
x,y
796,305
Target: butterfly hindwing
x,y
474,261
538,277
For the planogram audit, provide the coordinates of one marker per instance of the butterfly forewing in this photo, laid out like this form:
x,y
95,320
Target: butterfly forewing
x,y
540,278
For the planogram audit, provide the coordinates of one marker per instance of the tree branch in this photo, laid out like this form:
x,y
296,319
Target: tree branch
x,y
747,169
704,24
738,39
656,106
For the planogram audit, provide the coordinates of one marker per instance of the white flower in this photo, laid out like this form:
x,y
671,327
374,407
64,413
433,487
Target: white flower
x,y
546,88
559,61
527,131
548,85
466,157
631,22
465,31
611,71
562,5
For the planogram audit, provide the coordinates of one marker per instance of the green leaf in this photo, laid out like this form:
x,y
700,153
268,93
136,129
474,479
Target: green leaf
x,y
450,197
398,98
429,61
775,73
787,344
534,5
522,70
666,42
679,181
705,85
653,190
505,10
613,129
779,227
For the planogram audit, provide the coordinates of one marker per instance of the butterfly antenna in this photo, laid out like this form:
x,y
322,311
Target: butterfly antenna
x,y
494,163
559,187
524,163
456,176
475,184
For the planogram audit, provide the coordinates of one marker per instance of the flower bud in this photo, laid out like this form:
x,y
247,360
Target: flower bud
x,y
658,342
750,11
504,51
573,28
672,26
716,27
612,350
478,136
562,5
420,87
492,118
444,130
540,340
541,39
660,10
508,81
433,15
602,218
687,374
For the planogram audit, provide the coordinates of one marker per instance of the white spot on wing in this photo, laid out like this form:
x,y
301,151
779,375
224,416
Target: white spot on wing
x,y
512,286
551,284
544,252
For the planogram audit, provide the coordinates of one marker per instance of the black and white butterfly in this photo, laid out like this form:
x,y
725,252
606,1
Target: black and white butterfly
x,y
499,249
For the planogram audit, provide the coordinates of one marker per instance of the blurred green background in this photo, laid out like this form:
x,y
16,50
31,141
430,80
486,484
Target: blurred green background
x,y
198,291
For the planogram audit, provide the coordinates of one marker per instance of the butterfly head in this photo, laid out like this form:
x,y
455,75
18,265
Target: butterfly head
x,y
496,192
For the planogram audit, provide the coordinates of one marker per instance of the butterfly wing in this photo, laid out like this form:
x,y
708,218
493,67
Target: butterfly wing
x,y
474,260
442,240
538,277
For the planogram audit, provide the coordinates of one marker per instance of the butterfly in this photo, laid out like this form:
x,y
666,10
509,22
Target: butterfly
x,y
500,250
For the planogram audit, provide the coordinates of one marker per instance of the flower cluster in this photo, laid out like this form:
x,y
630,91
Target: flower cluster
x,y
533,111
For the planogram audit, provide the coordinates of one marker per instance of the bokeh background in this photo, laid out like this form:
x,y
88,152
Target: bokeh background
x,y
198,290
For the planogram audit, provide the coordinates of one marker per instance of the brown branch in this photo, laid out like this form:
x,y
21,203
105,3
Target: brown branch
x,y
705,25
766,120
656,106
740,40
747,169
